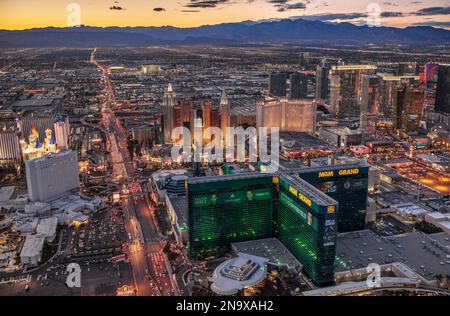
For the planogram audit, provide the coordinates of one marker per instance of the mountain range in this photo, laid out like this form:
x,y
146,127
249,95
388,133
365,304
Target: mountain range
x,y
246,32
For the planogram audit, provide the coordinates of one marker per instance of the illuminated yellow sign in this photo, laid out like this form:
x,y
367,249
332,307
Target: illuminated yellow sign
x,y
293,190
323,174
330,209
275,180
304,199
343,172
348,172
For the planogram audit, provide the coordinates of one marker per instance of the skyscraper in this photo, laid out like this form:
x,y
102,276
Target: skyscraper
x,y
159,133
277,84
348,185
186,107
62,129
304,59
298,86
228,209
306,225
429,78
322,82
52,176
370,98
9,149
224,117
193,123
177,116
370,94
443,90
215,118
287,115
168,113
207,119
389,84
346,88
241,207
408,105
40,124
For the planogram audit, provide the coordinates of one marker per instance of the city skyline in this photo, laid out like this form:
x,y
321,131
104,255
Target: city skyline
x,y
301,150
24,14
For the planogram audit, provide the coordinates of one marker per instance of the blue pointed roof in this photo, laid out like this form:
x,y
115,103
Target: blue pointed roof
x,y
38,144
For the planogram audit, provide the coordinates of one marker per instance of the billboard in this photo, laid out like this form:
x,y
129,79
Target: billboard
x,y
431,72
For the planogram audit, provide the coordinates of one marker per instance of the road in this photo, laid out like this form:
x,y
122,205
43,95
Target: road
x,y
148,263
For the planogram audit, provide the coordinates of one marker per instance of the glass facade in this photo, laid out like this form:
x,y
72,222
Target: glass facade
x,y
235,208
308,230
228,210
348,186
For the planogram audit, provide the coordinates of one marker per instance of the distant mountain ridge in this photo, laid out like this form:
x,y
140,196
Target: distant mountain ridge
x,y
246,32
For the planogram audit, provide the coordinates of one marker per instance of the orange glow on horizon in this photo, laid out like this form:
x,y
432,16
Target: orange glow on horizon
x,y
26,14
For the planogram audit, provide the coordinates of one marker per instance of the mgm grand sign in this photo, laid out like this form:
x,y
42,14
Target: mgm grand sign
x,y
342,172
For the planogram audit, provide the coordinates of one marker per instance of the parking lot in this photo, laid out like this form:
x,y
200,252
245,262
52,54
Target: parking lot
x,y
91,245
99,278
103,235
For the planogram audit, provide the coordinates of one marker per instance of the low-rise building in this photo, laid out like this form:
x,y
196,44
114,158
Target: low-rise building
x,y
341,136
439,220
236,274
177,208
32,249
47,228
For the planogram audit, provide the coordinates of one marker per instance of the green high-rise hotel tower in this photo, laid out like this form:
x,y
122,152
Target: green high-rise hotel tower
x,y
306,225
347,184
228,209
241,207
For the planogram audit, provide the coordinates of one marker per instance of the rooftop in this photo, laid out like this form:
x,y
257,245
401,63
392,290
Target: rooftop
x,y
180,205
47,226
6,193
271,249
235,274
427,255
310,191
54,156
33,246
343,130
410,209
228,177
33,103
436,159
355,67
338,166
300,141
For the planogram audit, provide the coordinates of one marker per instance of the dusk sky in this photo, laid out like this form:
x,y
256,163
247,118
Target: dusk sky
x,y
24,14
